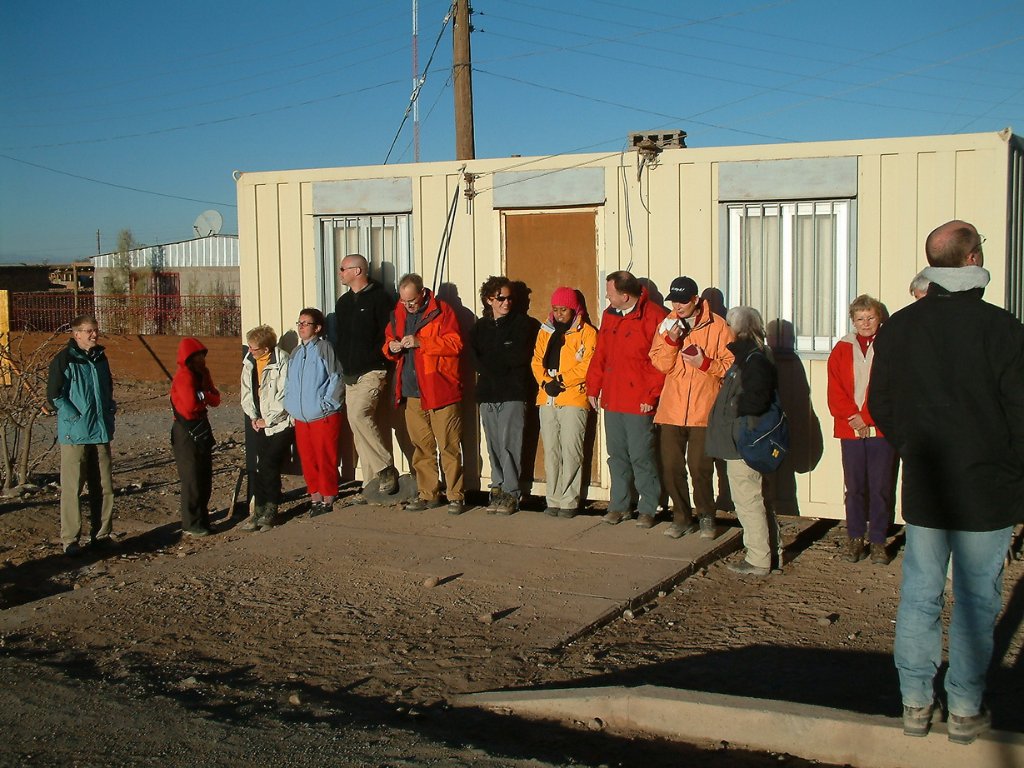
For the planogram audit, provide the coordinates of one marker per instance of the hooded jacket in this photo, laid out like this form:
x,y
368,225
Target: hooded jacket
x,y
621,373
80,388
689,392
947,387
574,359
436,359
313,387
271,391
191,393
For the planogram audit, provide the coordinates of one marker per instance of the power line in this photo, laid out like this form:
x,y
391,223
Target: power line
x,y
223,99
250,44
218,121
116,186
610,103
835,66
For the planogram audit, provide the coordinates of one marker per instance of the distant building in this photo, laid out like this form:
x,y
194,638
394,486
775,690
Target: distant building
x,y
68,275
204,266
25,277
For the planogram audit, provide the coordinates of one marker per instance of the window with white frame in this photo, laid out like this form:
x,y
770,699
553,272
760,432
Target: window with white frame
x,y
385,240
791,261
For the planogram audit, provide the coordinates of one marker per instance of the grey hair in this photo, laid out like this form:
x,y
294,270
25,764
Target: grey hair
x,y
920,284
746,322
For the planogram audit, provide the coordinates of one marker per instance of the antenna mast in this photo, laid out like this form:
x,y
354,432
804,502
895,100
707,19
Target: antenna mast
x,y
416,78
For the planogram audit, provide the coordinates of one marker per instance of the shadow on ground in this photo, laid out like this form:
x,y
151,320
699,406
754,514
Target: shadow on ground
x,y
236,697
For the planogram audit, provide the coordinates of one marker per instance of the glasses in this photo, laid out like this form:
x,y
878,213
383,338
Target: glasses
x,y
304,324
343,269
503,299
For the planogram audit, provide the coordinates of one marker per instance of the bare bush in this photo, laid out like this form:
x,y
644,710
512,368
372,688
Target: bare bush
x,y
23,373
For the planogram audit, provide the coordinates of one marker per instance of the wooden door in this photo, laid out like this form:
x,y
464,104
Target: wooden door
x,y
545,251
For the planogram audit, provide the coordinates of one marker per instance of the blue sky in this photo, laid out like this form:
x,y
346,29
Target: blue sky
x,y
106,103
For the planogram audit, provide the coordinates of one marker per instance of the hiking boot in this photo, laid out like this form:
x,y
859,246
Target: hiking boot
x,y
507,504
879,555
855,551
707,527
387,480
101,542
73,549
645,521
551,511
195,531
964,729
746,569
492,500
456,507
266,520
917,720
567,514
678,530
420,504
253,523
614,517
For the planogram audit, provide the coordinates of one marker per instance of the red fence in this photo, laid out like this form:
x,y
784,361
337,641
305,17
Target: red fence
x,y
129,313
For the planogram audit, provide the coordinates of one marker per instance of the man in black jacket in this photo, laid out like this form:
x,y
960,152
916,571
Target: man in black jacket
x,y
360,315
947,390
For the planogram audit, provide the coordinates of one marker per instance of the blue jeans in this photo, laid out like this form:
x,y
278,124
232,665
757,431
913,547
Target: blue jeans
x,y
978,559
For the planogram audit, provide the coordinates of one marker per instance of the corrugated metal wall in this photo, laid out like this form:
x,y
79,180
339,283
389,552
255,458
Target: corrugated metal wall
x,y
212,251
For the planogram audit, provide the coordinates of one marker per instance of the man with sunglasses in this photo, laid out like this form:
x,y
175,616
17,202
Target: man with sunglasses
x,y
947,390
360,316
502,342
424,341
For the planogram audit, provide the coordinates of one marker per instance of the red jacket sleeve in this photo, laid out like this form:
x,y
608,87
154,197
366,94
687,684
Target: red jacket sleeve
x,y
595,373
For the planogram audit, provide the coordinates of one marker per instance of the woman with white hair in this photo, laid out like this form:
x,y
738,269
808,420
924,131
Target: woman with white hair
x,y
746,391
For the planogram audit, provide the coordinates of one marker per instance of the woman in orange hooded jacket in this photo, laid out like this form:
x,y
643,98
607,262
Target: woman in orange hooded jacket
x,y
192,391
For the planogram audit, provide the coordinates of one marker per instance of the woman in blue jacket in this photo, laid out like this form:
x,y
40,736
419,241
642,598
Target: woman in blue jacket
x,y
313,396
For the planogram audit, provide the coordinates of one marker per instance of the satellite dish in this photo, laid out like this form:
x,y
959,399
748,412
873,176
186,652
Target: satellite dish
x,y
208,223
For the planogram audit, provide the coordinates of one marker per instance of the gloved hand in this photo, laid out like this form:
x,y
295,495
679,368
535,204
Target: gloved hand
x,y
554,388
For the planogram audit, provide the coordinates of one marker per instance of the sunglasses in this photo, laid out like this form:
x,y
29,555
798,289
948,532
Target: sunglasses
x,y
503,299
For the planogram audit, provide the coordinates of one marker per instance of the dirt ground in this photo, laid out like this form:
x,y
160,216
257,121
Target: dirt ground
x,y
158,651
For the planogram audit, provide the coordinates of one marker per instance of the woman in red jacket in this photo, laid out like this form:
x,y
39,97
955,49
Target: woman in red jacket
x,y
869,461
192,391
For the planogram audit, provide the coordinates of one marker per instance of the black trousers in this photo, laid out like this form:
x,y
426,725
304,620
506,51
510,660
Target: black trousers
x,y
269,452
195,470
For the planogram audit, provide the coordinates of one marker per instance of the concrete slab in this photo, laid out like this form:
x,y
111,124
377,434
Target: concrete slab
x,y
810,732
543,581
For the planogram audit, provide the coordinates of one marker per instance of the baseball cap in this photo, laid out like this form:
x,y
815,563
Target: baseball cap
x,y
683,290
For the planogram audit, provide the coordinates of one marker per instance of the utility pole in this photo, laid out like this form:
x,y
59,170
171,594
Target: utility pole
x,y
462,77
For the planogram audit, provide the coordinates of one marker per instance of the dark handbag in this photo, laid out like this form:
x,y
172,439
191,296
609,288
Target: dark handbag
x,y
763,441
198,429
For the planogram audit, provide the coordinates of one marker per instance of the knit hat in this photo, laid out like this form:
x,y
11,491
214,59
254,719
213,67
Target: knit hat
x,y
566,297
